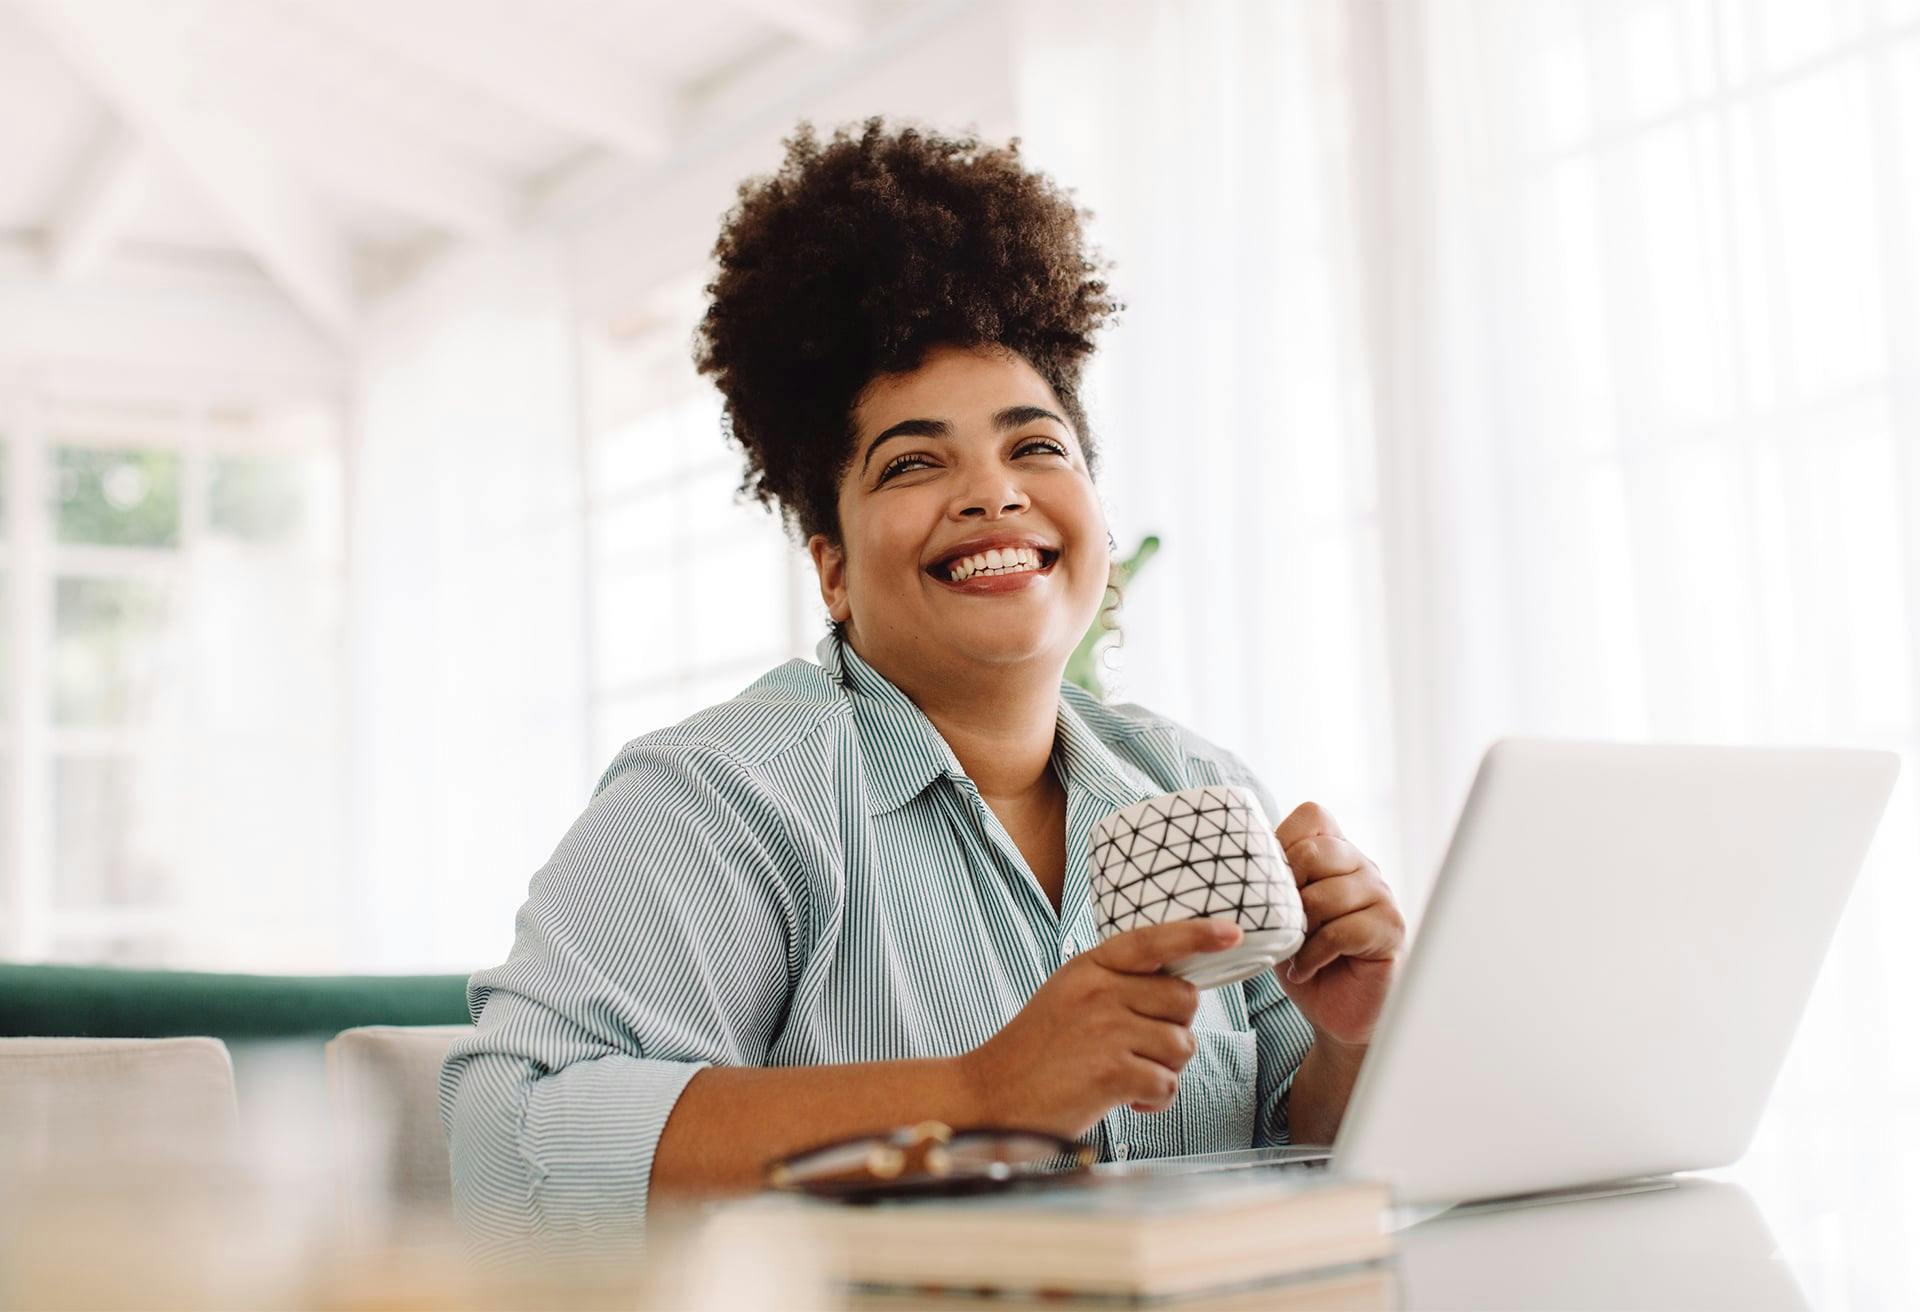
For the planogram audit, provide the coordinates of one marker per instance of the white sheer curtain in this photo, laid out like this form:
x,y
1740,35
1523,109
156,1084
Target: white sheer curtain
x,y
1231,401
1661,315
1527,366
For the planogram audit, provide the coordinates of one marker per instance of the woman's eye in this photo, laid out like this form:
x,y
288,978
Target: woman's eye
x,y
901,464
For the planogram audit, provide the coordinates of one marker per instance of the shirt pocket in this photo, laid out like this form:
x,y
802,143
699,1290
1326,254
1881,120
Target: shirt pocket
x,y
1217,1090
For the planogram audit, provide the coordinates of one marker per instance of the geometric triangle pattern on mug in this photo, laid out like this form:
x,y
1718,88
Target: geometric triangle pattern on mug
x,y
1201,852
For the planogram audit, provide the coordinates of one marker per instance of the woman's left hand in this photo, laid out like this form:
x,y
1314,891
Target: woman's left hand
x,y
1355,934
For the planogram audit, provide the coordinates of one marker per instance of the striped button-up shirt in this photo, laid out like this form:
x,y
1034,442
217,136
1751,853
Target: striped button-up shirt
x,y
805,875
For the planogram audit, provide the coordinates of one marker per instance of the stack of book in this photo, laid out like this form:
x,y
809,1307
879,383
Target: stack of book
x,y
1134,1238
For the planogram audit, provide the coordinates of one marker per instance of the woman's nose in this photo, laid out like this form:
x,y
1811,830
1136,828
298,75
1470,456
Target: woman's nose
x,y
976,511
982,497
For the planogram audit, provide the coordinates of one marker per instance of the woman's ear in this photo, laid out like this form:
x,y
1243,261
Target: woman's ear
x,y
830,564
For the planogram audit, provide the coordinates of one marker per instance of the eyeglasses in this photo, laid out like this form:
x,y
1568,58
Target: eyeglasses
x,y
928,1158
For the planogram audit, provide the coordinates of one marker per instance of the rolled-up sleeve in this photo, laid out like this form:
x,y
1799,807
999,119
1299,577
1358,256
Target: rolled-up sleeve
x,y
662,936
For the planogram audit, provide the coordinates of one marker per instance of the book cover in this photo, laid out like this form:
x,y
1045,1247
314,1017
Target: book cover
x,y
1097,1235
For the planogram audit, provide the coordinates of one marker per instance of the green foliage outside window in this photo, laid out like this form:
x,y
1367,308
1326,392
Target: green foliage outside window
x,y
105,637
117,498
256,500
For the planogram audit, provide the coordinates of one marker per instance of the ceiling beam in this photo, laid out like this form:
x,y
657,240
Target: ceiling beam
x,y
828,24
109,187
509,55
138,56
347,150
758,103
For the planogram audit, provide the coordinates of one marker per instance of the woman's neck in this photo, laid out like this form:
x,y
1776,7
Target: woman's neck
x,y
1001,729
1003,737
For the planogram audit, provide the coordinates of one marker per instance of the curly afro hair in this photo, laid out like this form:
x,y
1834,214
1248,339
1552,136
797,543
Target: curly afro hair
x,y
855,259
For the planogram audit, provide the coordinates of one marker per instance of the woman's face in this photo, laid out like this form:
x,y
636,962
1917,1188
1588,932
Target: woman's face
x,y
970,449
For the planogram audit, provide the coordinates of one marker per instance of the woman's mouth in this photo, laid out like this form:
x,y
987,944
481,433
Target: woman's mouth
x,y
1003,570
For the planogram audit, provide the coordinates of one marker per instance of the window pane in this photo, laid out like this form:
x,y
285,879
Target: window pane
x,y
1549,95
1827,205
107,648
735,606
117,498
261,650
637,626
680,436
258,500
639,528
633,454
104,854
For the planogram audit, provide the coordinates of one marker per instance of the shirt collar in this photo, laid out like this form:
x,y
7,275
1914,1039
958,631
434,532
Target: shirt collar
x,y
904,752
1086,756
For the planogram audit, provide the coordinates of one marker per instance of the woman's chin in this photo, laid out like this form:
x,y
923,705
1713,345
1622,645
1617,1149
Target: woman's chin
x,y
1011,641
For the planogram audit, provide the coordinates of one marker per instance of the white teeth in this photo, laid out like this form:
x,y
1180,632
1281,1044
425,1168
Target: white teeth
x,y
1010,560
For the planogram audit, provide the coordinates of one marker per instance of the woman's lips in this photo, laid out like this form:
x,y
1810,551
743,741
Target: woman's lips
x,y
988,584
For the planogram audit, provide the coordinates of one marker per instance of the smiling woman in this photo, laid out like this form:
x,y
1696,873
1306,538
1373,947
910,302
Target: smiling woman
x,y
898,325
856,258
856,895
970,538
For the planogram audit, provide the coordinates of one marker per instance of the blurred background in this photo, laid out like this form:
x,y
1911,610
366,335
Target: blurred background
x,y
1489,367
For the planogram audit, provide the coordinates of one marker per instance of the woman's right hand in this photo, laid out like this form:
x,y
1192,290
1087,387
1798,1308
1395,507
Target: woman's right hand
x,y
1105,1029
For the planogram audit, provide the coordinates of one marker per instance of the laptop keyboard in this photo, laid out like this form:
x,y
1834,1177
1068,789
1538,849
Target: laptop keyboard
x,y
1289,1157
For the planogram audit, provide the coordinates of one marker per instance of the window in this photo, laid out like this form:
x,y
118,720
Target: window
x,y
1688,231
172,583
694,592
1701,225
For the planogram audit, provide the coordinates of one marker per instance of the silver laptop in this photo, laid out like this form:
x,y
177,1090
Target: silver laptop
x,y
1613,961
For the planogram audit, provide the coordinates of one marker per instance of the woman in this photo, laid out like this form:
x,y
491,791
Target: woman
x,y
856,895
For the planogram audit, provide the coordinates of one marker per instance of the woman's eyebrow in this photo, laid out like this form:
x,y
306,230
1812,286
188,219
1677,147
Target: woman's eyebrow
x,y
1011,417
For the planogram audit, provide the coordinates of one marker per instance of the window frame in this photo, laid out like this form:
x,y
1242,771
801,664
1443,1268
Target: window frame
x,y
655,340
194,422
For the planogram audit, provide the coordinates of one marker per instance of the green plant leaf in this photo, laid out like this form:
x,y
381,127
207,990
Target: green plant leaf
x,y
1084,667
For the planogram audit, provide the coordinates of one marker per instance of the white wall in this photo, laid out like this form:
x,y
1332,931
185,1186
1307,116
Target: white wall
x,y
467,657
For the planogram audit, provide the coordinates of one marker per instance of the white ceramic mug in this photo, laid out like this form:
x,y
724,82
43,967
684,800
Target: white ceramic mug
x,y
1200,852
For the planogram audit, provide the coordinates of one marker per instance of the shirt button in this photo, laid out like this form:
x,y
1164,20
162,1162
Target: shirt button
x,y
1122,1151
1068,948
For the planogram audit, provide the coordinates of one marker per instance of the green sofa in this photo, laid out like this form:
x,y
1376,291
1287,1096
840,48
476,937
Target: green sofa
x,y
105,1002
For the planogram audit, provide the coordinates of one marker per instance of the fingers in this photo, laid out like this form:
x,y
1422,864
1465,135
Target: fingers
x,y
1373,933
1160,1084
1143,951
1159,997
1339,895
1323,856
1163,1043
1306,820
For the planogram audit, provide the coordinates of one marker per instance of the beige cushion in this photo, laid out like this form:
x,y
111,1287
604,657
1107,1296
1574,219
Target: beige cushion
x,y
67,1101
383,1085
